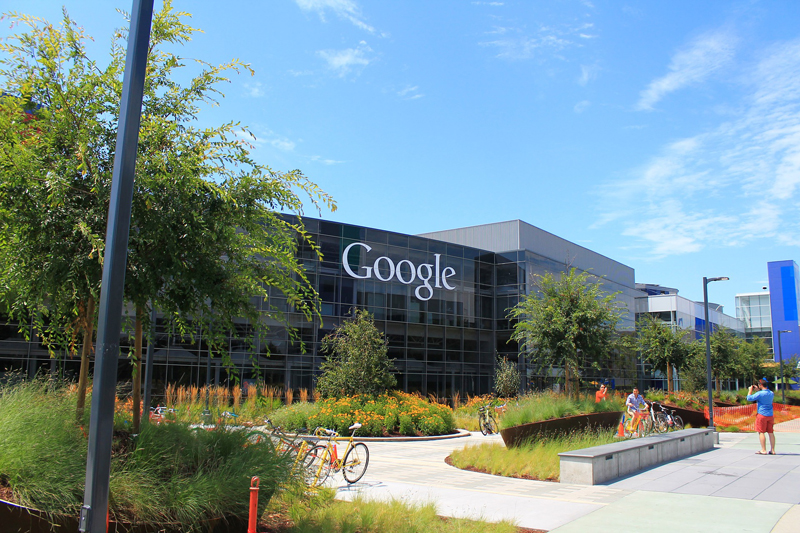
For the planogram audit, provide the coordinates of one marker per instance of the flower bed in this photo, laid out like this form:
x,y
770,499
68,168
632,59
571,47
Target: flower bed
x,y
395,413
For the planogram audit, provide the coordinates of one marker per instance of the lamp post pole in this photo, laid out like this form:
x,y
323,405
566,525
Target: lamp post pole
x,y
706,281
101,426
780,360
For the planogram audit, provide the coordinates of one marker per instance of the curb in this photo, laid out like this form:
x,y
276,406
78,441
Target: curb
x,y
461,433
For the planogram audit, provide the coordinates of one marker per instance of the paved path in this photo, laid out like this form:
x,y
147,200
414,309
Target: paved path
x,y
728,489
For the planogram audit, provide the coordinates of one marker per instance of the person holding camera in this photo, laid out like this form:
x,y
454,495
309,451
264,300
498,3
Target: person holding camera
x,y
765,419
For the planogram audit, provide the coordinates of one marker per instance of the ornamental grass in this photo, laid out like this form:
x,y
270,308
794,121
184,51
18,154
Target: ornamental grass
x,y
169,474
547,406
537,459
322,514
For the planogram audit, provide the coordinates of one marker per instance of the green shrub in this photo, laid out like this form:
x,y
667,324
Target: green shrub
x,y
506,378
295,416
359,361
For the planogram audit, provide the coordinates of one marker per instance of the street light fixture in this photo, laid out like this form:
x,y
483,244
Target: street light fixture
x,y
780,359
706,281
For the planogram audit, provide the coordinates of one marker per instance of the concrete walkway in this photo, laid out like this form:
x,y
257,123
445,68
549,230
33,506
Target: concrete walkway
x,y
728,489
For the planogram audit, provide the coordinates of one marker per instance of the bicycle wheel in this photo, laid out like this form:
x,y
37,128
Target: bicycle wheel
x,y
491,425
482,424
259,438
661,426
627,429
642,428
677,422
317,466
355,462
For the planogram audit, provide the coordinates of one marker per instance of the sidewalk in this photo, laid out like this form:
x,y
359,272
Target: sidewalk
x,y
728,489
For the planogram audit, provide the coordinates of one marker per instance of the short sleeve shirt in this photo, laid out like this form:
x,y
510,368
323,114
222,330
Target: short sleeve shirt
x,y
764,400
636,402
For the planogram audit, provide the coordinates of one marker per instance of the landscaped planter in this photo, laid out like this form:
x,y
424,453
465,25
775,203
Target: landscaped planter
x,y
16,518
692,417
516,435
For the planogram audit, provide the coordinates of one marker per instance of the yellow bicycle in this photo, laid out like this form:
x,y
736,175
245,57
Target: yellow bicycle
x,y
324,458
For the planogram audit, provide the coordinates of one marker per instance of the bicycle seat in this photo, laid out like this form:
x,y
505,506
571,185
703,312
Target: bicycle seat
x,y
355,426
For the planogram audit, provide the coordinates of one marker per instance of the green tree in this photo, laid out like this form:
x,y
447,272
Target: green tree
x,y
662,346
567,322
205,237
724,356
752,357
358,362
506,378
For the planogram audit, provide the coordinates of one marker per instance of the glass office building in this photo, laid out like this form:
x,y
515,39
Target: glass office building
x,y
441,299
754,310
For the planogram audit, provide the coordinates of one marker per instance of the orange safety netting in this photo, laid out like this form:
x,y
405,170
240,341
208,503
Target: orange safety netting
x,y
744,416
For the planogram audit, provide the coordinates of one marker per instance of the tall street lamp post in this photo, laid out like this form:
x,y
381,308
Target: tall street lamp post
x,y
706,281
780,359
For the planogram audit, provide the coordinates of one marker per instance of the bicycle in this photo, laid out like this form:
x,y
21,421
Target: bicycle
x,y
636,426
159,414
286,445
654,421
669,419
323,458
487,417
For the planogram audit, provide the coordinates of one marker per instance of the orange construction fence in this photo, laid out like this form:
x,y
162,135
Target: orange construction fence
x,y
744,416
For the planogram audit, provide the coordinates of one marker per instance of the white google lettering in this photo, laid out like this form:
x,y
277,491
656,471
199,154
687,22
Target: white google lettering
x,y
405,271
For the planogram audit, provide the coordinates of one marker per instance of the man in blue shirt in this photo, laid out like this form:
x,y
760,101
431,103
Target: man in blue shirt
x,y
765,418
635,402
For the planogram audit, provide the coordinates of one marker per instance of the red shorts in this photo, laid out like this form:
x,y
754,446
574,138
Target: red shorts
x,y
764,423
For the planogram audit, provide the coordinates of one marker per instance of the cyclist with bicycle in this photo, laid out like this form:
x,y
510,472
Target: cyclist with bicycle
x,y
636,403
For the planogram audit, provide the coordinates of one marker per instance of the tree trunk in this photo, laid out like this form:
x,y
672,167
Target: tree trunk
x,y
567,384
88,333
137,374
717,384
669,379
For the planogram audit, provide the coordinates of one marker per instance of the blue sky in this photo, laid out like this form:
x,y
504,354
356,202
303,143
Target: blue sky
x,y
664,135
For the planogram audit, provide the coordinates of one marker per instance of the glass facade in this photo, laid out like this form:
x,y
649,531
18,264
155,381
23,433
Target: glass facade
x,y
754,310
441,306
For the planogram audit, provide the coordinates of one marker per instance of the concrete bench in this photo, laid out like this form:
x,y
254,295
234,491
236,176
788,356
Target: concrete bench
x,y
592,466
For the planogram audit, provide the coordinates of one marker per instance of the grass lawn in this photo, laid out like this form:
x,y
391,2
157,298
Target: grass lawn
x,y
535,460
298,512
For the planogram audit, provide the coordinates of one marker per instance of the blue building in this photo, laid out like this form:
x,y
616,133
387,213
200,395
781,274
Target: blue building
x,y
784,289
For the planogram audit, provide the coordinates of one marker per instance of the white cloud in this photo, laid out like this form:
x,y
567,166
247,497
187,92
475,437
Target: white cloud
x,y
268,137
254,90
410,93
690,65
588,73
345,9
734,184
344,61
581,106
525,47
549,39
325,161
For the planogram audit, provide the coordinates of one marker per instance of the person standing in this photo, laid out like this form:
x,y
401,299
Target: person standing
x,y
765,418
601,395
